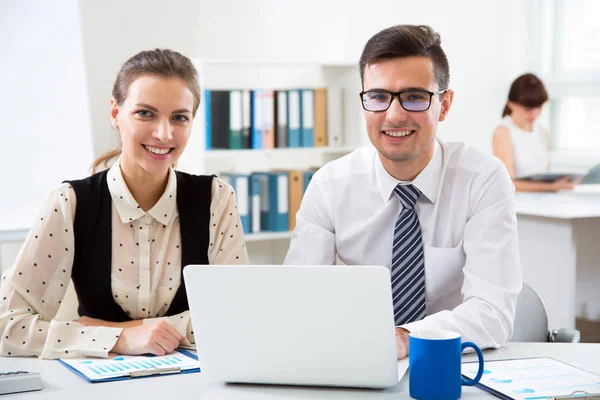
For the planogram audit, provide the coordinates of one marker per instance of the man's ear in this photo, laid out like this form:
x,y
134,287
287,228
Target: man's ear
x,y
447,99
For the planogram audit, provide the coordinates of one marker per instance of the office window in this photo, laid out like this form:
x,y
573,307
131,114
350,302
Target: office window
x,y
573,79
578,122
579,35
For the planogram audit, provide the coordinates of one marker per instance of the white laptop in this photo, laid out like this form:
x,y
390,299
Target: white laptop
x,y
294,325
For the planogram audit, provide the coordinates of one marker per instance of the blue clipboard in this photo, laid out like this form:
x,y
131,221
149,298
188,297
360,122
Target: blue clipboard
x,y
145,373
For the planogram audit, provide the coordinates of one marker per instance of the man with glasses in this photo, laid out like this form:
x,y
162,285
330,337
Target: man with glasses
x,y
440,216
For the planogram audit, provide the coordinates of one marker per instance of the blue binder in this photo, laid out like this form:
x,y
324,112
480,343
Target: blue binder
x,y
307,106
257,105
279,201
294,118
241,187
307,176
208,125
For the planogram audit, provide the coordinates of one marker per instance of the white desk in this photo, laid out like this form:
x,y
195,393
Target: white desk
x,y
61,384
559,239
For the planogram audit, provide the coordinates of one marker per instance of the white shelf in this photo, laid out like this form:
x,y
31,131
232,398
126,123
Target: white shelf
x,y
217,153
13,235
263,236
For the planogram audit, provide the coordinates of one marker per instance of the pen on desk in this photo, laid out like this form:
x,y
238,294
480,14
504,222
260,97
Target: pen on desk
x,y
579,395
154,371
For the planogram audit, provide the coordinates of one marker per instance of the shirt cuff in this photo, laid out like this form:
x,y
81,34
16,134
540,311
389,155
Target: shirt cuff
x,y
422,325
73,340
181,322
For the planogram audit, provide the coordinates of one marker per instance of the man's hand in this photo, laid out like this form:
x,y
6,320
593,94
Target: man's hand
x,y
160,338
401,343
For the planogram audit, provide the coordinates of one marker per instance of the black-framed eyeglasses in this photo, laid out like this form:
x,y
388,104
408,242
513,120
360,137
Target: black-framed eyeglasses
x,y
411,100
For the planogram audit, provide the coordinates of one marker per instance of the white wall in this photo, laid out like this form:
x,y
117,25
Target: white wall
x,y
485,43
45,131
113,31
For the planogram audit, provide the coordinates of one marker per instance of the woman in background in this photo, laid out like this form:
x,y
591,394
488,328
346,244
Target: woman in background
x,y
124,234
521,142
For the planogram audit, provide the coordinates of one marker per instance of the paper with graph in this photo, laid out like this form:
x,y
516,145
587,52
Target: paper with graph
x,y
100,369
534,378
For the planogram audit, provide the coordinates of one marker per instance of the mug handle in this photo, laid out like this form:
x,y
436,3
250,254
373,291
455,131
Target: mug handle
x,y
475,381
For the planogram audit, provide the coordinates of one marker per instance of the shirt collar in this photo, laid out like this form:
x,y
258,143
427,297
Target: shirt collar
x,y
126,206
428,180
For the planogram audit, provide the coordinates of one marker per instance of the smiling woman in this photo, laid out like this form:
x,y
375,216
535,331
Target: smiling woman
x,y
124,234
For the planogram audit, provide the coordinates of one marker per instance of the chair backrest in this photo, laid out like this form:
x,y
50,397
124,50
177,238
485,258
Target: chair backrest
x,y
531,322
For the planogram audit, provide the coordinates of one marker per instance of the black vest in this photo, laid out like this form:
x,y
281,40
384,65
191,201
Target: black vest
x,y
92,264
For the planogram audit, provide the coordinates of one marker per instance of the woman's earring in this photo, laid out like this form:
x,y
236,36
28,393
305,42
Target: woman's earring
x,y
116,126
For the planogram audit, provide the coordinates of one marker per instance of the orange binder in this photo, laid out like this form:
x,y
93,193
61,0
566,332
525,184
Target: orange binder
x,y
320,117
296,188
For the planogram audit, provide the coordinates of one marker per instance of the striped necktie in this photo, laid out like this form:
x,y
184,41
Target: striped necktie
x,y
408,266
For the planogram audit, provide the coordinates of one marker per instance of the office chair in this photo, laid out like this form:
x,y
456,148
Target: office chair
x,y
531,321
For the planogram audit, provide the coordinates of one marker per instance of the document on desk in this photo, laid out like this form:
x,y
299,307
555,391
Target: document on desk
x,y
533,378
127,367
402,368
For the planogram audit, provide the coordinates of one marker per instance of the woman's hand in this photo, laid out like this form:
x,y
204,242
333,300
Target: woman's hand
x,y
565,183
159,338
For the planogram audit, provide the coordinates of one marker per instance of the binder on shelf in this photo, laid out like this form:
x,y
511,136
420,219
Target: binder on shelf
x,y
294,121
262,179
296,189
246,119
255,203
280,123
241,187
263,136
335,116
307,108
207,120
320,117
235,120
268,119
257,134
279,201
307,176
219,108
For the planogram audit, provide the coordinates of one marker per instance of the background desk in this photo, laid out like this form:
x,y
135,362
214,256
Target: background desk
x,y
61,384
559,239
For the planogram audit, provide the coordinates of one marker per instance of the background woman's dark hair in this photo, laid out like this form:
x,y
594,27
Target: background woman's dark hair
x,y
159,62
527,91
407,41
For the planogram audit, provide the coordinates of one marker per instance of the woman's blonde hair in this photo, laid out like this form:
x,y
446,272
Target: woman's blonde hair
x,y
160,62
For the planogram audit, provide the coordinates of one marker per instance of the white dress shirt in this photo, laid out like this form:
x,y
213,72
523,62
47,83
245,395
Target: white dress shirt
x,y
146,269
468,225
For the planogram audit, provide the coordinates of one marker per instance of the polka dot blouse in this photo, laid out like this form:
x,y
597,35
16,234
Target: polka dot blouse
x,y
146,269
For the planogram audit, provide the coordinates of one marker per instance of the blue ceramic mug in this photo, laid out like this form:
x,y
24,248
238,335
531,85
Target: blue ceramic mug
x,y
434,361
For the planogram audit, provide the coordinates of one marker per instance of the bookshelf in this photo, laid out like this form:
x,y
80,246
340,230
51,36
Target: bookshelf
x,y
271,247
257,237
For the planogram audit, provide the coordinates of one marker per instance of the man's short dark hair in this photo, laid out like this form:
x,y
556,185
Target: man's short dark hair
x,y
407,41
